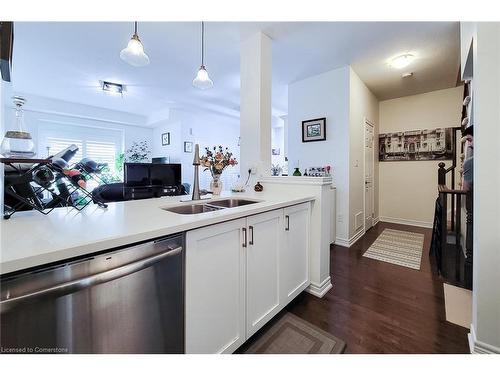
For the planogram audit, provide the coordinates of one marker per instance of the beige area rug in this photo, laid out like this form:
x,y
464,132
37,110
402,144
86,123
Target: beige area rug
x,y
458,305
397,247
292,335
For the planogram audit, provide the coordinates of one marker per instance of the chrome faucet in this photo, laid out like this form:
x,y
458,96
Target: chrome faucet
x,y
196,180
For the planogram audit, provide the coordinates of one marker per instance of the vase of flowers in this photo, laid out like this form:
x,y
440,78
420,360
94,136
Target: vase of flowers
x,y
216,160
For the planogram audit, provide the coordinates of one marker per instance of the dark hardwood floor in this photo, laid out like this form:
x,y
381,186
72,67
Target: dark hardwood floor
x,y
378,307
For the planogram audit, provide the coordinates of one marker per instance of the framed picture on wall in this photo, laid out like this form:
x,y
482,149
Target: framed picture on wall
x,y
415,145
188,147
165,139
314,130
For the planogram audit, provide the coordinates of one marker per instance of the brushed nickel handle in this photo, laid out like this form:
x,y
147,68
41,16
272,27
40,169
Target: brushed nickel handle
x,y
86,282
287,218
244,237
251,235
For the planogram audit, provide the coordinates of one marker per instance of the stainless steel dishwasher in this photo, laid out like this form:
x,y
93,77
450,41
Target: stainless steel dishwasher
x,y
127,300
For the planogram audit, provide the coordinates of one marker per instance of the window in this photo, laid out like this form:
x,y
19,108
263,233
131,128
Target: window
x,y
103,152
55,145
99,144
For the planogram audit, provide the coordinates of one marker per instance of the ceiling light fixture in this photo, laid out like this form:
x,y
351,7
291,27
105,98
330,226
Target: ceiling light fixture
x,y
407,75
114,88
402,61
202,79
134,53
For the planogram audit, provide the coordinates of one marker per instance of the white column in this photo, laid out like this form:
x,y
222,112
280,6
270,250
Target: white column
x,y
255,104
285,134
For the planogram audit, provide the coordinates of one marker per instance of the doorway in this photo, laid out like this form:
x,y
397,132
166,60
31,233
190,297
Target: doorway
x,y
369,166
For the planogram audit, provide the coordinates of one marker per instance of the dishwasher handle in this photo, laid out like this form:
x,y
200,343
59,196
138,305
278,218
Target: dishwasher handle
x,y
86,282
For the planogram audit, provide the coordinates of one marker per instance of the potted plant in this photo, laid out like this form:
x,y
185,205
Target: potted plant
x,y
216,160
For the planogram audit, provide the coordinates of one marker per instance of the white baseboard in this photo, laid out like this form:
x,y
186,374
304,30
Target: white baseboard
x,y
341,242
416,223
321,289
376,220
479,347
349,242
356,237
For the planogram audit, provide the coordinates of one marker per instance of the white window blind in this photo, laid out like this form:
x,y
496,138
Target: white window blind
x,y
102,152
56,145
99,144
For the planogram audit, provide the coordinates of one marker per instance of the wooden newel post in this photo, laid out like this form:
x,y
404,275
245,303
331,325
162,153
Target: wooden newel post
x,y
441,174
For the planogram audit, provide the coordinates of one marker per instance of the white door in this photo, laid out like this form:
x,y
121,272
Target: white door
x,y
294,256
262,268
369,154
215,288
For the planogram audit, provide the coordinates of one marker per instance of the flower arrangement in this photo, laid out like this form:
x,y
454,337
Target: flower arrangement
x,y
217,159
138,152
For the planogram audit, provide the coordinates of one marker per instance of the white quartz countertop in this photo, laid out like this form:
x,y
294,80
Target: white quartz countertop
x,y
30,239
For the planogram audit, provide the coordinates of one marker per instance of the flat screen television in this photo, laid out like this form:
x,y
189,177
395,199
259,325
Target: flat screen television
x,y
150,175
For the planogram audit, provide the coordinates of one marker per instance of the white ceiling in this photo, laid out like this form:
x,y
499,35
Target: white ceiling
x,y
67,60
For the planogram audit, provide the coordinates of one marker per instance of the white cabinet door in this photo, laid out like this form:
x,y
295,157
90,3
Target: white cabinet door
x,y
294,256
265,233
215,288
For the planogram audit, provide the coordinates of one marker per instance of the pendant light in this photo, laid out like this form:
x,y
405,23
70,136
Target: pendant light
x,y
202,80
134,53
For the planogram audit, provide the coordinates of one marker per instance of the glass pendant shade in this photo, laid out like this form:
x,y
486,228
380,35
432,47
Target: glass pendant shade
x,y
202,79
18,143
134,53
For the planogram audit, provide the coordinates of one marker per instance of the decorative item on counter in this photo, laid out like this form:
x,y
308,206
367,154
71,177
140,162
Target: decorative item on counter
x,y
318,171
238,189
18,143
285,167
276,170
296,172
77,177
258,187
215,161
60,164
90,166
305,172
43,176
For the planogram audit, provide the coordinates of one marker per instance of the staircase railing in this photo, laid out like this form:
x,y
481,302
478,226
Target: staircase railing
x,y
454,217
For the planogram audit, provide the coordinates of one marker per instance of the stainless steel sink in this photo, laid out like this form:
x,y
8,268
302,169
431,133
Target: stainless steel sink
x,y
199,208
191,209
231,202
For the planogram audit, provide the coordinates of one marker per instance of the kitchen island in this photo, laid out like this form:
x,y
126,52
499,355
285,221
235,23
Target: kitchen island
x,y
221,274
30,239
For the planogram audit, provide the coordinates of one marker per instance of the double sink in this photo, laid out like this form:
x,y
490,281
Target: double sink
x,y
198,208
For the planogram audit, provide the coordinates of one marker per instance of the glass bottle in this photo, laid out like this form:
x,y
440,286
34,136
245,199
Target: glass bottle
x,y
18,143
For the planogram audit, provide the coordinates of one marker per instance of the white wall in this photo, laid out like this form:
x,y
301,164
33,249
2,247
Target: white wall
x,y
207,130
41,112
324,95
485,328
363,105
408,189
